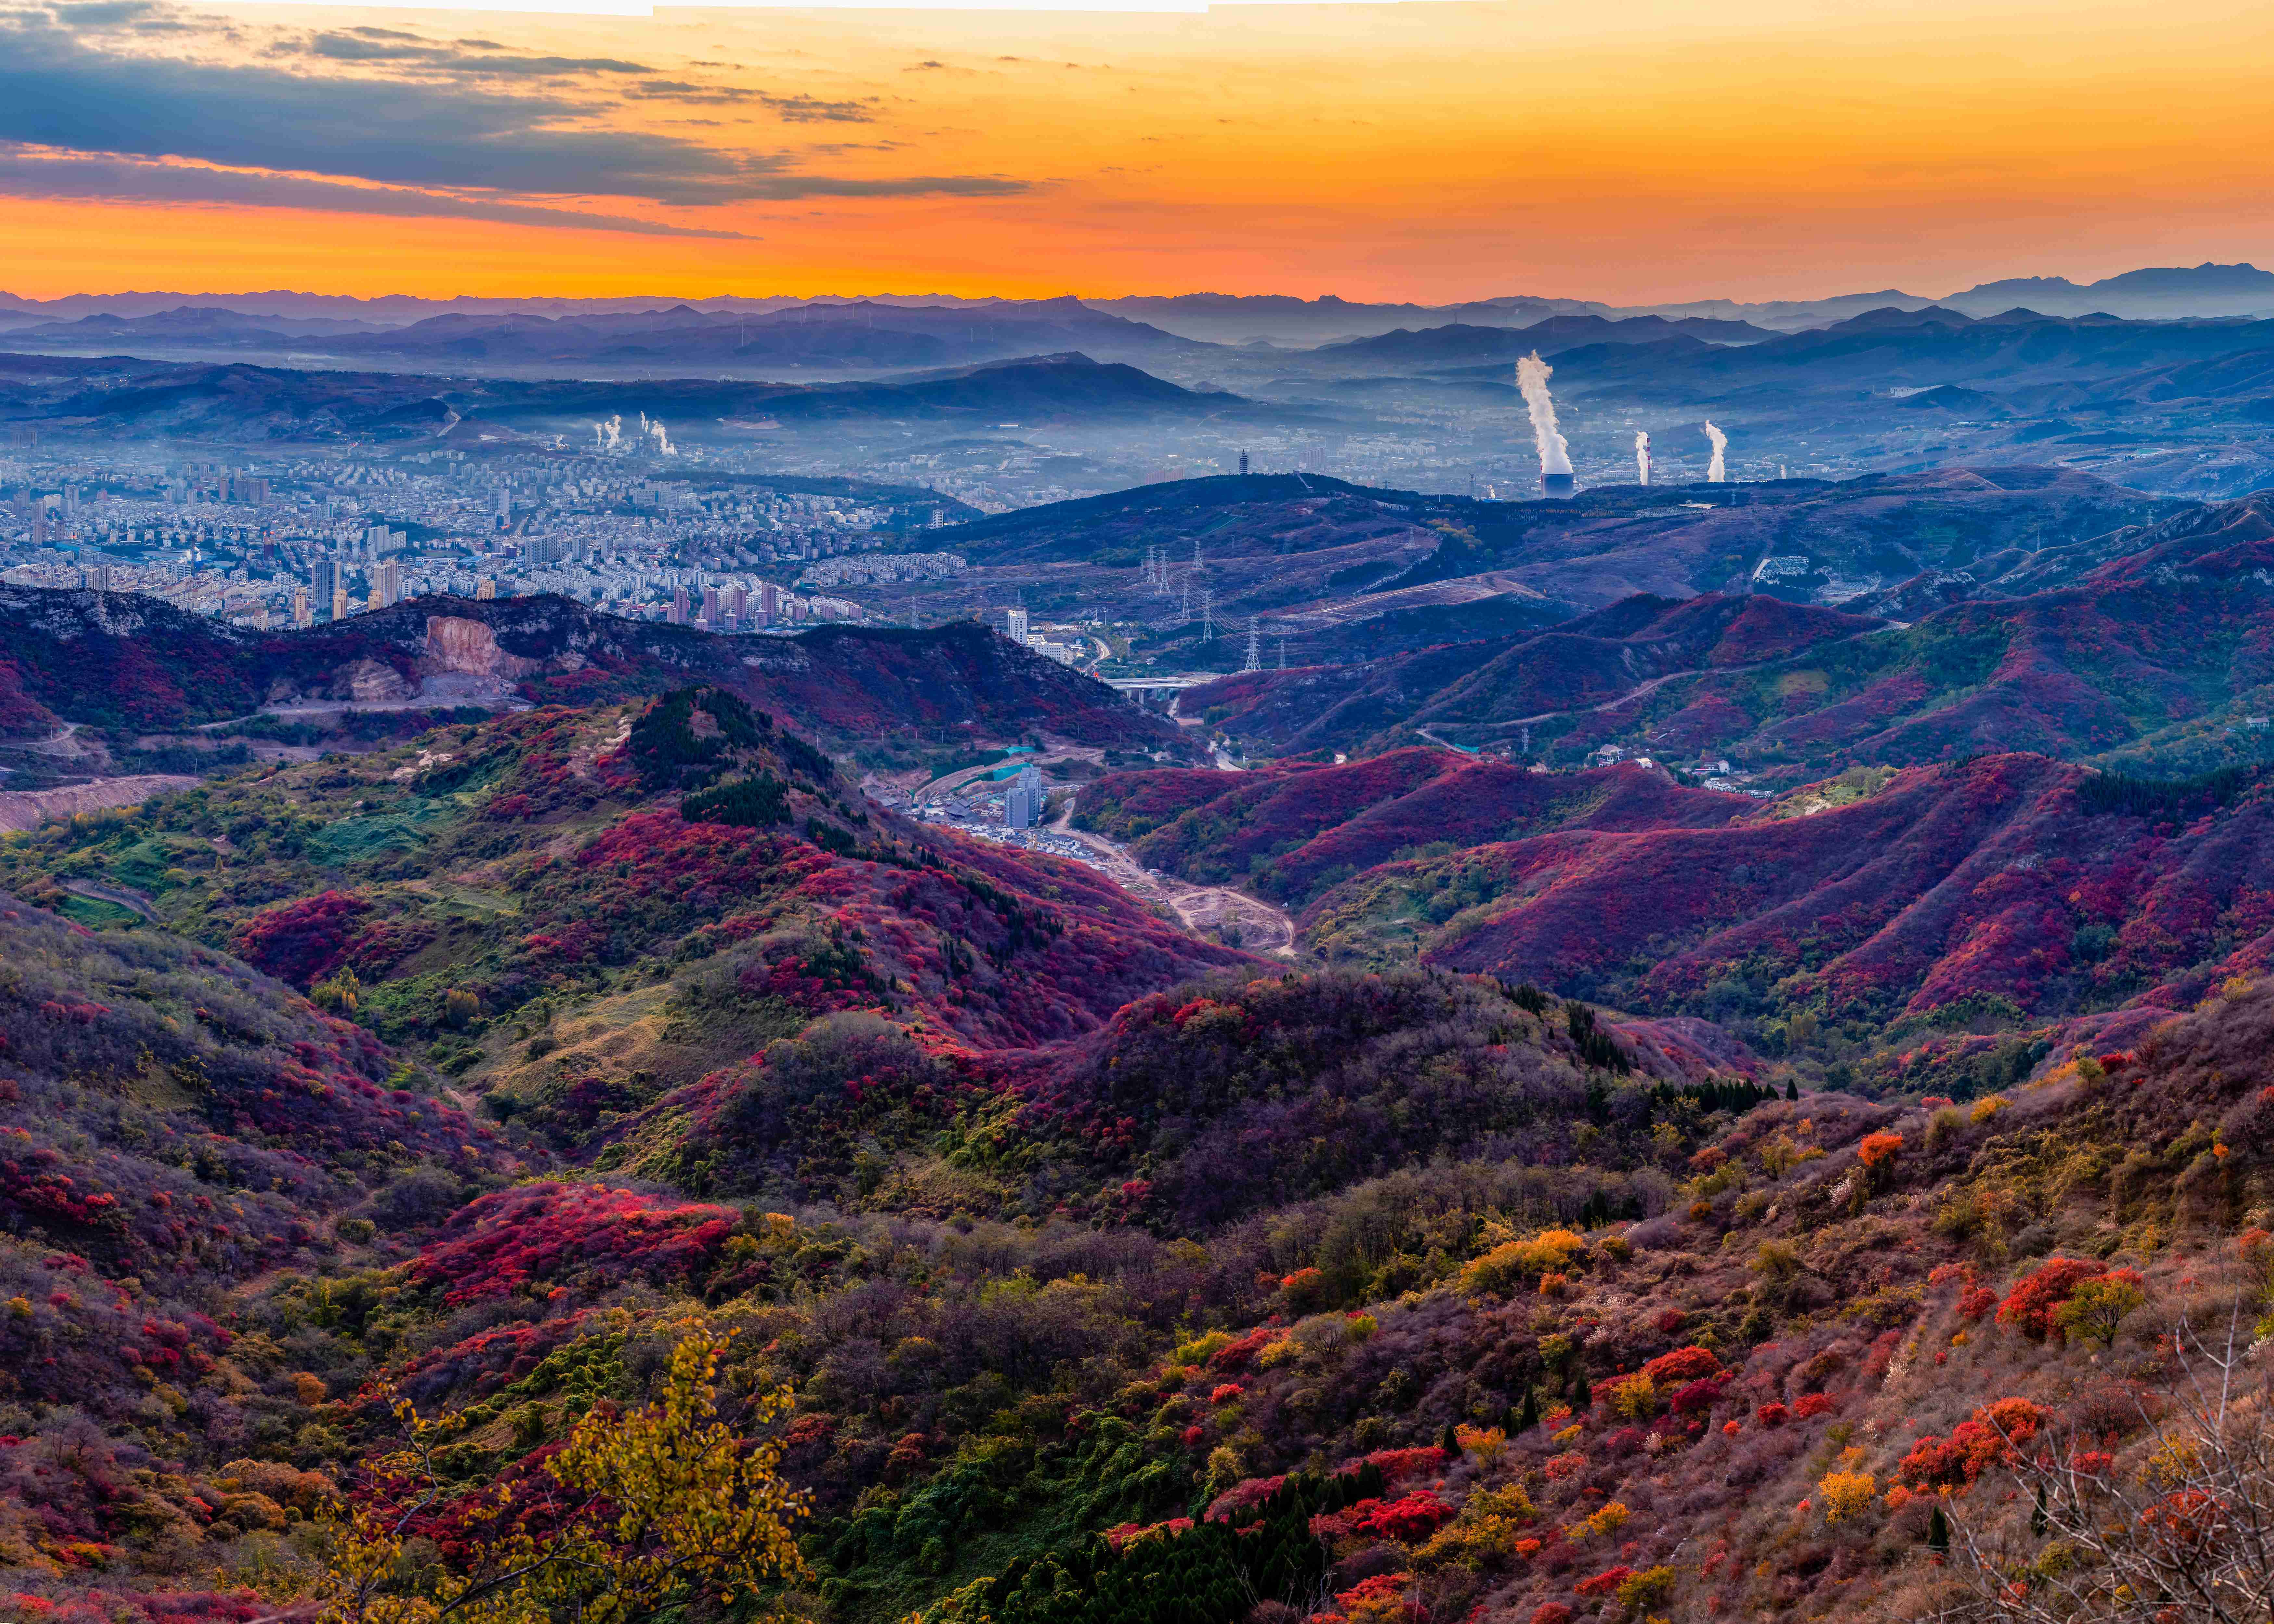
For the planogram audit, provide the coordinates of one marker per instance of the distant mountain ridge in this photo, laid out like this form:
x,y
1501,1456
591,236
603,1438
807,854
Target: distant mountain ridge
x,y
236,400
2206,289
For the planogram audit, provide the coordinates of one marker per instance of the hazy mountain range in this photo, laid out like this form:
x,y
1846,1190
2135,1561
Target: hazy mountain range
x,y
2207,290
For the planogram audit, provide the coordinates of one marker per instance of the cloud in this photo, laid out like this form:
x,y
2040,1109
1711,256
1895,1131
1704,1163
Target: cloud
x,y
796,110
104,13
82,175
56,91
810,110
386,45
782,187
507,149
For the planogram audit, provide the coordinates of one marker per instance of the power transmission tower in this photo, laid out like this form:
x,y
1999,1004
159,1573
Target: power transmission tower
x,y
1184,614
1282,650
1207,615
1254,649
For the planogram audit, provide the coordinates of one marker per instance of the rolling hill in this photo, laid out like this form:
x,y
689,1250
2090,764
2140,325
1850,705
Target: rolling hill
x,y
114,660
2139,648
236,401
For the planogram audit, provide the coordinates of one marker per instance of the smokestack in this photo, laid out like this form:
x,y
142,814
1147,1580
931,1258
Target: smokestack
x,y
1531,376
1716,473
1642,457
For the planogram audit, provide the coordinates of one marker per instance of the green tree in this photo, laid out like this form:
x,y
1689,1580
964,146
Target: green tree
x,y
2099,1307
638,1512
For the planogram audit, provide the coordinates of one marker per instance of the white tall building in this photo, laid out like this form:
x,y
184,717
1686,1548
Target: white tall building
x,y
1022,807
1017,627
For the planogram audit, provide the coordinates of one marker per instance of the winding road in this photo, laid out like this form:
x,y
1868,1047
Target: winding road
x,y
1260,927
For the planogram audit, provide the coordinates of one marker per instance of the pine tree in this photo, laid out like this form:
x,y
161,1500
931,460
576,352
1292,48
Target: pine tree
x,y
1791,1090
1938,1533
1530,1418
1450,1442
1582,1394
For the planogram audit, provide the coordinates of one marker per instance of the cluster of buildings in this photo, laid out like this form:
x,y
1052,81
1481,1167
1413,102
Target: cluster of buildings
x,y
297,541
1018,629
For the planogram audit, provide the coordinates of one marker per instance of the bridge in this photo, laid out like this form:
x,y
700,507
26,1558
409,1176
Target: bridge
x,y
1167,681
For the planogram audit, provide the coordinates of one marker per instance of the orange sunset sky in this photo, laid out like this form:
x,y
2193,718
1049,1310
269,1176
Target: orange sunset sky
x,y
1432,151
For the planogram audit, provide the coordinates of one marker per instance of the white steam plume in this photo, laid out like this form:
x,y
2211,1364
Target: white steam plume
x,y
1716,473
1532,375
662,439
1642,455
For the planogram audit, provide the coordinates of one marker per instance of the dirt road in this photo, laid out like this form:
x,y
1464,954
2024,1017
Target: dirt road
x,y
1245,920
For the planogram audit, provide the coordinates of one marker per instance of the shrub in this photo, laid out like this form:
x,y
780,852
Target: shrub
x,y
1512,1266
1683,1364
1652,1587
2098,1306
1847,1490
2029,1307
1604,1584
1878,1148
1987,1438
1607,1519
1633,1397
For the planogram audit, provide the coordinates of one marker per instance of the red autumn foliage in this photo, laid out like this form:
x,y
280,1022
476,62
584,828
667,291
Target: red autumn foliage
x,y
2030,1306
1604,1584
1877,1147
549,1231
1988,1437
1410,1517
1683,1364
300,942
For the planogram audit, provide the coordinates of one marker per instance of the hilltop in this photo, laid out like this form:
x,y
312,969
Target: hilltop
x,y
116,660
1347,572
2137,650
246,403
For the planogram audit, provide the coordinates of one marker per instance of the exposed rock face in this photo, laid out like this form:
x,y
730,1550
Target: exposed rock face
x,y
457,645
367,682
26,809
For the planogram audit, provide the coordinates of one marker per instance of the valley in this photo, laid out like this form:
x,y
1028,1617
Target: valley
x,y
1138,1044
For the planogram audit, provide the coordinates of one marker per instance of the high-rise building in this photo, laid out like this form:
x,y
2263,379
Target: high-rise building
x,y
1022,806
485,588
302,617
769,603
1016,622
711,607
677,614
386,584
739,602
340,602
